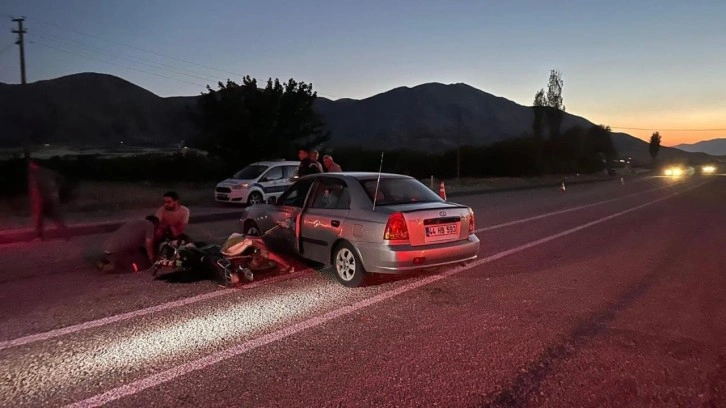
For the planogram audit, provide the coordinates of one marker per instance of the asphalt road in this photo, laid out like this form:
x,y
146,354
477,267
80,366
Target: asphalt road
x,y
603,295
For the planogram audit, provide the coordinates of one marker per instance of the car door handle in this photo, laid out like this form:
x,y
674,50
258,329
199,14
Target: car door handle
x,y
335,223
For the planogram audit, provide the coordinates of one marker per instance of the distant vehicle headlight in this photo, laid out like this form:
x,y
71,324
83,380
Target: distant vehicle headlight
x,y
708,169
673,171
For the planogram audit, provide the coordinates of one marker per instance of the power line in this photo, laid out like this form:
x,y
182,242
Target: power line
x,y
6,48
143,61
113,63
155,54
137,48
156,64
149,63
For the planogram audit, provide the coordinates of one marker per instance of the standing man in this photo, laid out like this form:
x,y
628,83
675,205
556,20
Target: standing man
x,y
306,165
44,187
314,155
330,165
173,218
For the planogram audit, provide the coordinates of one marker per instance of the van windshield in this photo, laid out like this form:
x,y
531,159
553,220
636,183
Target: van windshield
x,y
250,172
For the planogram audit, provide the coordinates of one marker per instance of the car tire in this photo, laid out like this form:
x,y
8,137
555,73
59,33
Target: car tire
x,y
251,228
255,198
348,268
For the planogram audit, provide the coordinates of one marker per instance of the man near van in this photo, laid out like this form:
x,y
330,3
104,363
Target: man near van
x,y
306,164
314,156
330,165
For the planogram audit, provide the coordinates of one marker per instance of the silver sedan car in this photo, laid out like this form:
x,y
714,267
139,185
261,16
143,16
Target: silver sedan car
x,y
366,223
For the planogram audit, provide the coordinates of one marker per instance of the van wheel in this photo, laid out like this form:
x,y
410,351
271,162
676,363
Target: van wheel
x,y
254,198
349,269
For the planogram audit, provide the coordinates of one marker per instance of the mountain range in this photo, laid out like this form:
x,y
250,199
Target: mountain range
x,y
90,109
714,147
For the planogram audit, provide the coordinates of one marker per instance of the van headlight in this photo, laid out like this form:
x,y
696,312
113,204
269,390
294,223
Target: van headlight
x,y
240,186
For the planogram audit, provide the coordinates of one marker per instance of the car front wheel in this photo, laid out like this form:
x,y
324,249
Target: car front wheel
x,y
254,198
349,269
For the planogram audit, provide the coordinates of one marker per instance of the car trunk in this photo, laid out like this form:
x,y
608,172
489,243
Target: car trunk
x,y
435,223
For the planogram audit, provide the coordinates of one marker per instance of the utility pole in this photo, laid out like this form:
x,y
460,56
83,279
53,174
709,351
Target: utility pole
x,y
21,42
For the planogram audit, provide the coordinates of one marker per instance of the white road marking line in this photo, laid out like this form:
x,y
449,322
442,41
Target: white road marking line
x,y
186,368
541,216
141,312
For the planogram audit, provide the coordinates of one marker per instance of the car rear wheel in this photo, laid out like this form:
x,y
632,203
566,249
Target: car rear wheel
x,y
349,269
254,198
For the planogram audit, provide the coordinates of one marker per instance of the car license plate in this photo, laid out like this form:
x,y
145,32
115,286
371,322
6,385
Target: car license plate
x,y
439,232
222,196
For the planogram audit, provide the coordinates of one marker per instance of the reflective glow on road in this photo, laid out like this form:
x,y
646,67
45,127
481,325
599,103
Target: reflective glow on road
x,y
161,339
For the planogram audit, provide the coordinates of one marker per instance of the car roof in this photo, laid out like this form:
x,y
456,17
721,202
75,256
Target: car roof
x,y
276,162
359,175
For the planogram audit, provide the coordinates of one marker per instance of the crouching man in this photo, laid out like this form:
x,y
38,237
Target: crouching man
x,y
122,248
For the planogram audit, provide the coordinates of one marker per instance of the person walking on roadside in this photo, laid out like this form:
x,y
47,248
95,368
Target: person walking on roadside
x,y
173,218
330,165
44,187
121,248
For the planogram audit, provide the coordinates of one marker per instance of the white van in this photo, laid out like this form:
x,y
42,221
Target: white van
x,y
260,182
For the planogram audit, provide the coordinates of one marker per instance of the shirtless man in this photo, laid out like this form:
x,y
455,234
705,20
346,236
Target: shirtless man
x,y
173,218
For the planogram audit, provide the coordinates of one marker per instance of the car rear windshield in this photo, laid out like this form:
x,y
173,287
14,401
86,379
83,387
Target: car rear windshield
x,y
393,191
250,172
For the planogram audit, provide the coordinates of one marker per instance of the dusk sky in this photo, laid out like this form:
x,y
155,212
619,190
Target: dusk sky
x,y
654,65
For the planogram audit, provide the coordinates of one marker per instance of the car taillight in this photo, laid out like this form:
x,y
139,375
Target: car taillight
x,y
471,222
396,228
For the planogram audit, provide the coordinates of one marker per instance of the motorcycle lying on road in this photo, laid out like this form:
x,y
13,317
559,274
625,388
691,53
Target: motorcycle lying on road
x,y
228,264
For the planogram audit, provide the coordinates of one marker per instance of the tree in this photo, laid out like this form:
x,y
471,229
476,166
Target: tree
x,y
654,146
599,141
539,111
599,148
241,123
539,108
554,103
568,150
